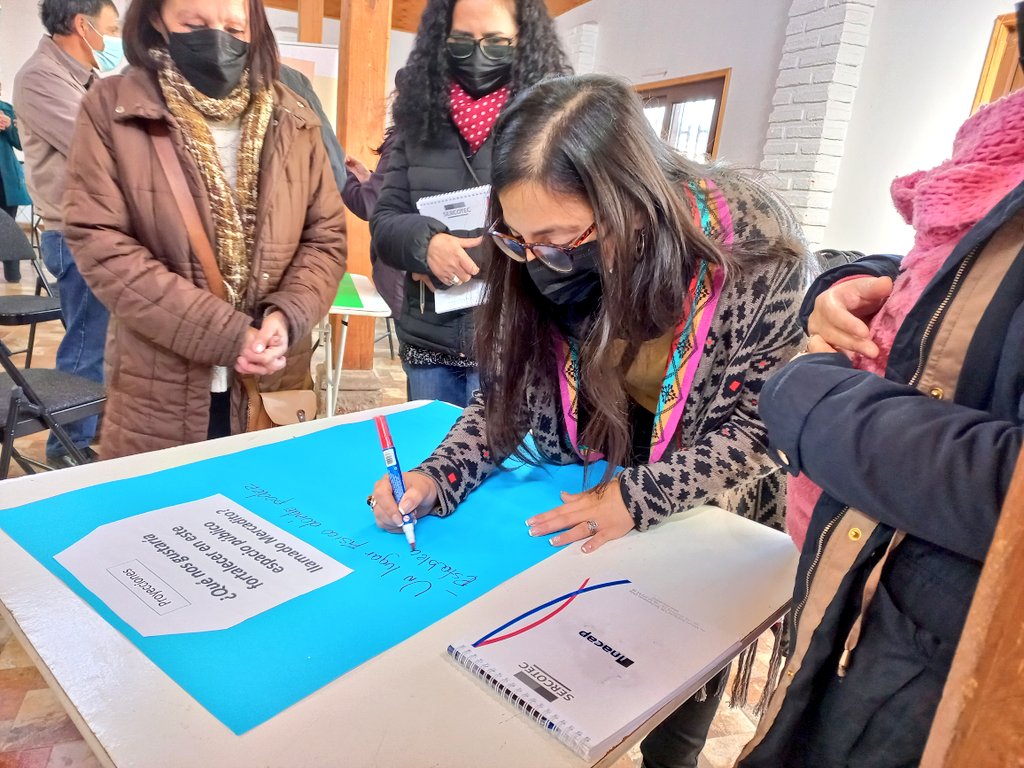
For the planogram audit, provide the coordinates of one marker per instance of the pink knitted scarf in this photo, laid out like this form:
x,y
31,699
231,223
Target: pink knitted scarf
x,y
941,205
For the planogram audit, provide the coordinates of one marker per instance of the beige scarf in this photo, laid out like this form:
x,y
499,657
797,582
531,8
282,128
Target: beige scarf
x,y
234,211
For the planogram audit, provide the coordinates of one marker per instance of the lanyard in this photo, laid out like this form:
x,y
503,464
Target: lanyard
x,y
680,368
711,214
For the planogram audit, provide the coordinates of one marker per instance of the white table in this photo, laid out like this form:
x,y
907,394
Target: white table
x,y
410,707
373,305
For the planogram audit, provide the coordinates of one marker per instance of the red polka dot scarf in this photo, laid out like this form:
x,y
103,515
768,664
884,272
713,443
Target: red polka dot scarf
x,y
476,117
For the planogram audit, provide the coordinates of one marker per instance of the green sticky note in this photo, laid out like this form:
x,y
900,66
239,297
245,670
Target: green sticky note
x,y
348,296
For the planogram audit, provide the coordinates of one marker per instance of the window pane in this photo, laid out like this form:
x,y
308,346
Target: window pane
x,y
656,117
690,127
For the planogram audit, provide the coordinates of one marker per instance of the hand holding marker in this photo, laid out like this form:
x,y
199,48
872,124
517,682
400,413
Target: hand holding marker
x,y
395,476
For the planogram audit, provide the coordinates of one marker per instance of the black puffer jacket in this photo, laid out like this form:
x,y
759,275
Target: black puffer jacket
x,y
401,234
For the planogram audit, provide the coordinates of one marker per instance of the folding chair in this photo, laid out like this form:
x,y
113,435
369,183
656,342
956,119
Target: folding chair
x,y
388,334
19,309
40,399
828,258
35,235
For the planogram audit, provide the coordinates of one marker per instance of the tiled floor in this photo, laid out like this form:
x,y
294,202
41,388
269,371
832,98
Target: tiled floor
x,y
35,732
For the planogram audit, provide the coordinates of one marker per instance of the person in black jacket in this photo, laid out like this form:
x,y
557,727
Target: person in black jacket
x,y
907,417
361,193
470,57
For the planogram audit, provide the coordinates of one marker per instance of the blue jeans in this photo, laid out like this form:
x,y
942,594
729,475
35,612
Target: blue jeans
x,y
442,382
81,350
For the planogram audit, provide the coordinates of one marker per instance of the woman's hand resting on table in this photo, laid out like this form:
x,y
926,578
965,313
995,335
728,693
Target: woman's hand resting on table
x,y
599,515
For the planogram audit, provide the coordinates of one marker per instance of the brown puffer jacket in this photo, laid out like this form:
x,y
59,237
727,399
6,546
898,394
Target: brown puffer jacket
x,y
130,243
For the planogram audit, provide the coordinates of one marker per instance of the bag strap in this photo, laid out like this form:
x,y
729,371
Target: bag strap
x,y
197,236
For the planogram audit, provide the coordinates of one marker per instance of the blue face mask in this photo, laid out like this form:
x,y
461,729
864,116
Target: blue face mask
x,y
111,55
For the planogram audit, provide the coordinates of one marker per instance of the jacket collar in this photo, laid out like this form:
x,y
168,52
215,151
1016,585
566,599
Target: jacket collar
x,y
139,96
50,49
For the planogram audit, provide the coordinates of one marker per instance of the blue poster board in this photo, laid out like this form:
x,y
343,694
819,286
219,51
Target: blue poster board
x,y
315,487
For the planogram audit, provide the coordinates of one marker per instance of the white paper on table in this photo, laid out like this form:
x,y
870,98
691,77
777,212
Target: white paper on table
x,y
196,567
463,296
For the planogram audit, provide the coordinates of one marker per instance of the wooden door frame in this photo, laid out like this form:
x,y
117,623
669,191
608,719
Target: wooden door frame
x,y
980,720
723,74
1004,27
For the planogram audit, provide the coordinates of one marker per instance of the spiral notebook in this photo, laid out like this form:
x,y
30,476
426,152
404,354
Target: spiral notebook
x,y
595,662
464,212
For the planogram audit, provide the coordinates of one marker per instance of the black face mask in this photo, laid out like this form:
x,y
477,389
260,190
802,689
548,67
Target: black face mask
x,y
479,75
581,287
210,59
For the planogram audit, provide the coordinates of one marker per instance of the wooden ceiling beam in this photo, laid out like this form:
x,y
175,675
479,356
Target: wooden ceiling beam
x,y
405,14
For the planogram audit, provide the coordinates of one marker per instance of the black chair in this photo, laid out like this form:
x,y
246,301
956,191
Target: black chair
x,y
20,309
828,258
40,399
35,236
388,334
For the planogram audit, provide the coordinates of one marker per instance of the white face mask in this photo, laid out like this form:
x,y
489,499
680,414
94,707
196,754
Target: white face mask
x,y
111,55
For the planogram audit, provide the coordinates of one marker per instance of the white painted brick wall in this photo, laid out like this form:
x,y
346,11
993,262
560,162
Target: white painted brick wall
x,y
582,47
818,76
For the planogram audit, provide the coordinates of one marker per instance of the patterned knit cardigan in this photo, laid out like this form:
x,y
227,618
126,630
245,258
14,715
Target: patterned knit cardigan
x,y
719,453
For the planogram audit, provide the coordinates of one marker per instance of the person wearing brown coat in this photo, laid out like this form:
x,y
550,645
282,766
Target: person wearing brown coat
x,y
255,164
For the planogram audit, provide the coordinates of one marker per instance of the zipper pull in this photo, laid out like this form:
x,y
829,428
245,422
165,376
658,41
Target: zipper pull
x,y
844,662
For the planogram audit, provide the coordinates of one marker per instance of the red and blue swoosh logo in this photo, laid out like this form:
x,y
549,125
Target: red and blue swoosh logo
x,y
559,604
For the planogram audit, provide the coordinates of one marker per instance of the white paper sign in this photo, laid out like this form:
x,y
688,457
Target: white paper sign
x,y
196,567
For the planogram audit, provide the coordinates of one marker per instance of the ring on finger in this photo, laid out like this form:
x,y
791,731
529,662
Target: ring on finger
x,y
370,501
454,280
591,527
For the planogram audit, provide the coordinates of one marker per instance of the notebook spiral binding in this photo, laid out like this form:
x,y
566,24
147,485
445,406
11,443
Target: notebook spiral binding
x,y
560,728
459,194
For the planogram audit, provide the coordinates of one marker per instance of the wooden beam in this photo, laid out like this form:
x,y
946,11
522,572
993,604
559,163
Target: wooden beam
x,y
362,108
332,8
980,721
558,7
406,13
311,21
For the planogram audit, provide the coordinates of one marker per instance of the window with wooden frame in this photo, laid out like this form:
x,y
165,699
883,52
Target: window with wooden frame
x,y
1002,72
687,111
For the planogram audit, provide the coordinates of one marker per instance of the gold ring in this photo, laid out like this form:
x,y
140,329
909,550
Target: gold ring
x,y
370,501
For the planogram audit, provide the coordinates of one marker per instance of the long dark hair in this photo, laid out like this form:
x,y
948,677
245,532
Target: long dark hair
x,y
140,36
421,103
587,137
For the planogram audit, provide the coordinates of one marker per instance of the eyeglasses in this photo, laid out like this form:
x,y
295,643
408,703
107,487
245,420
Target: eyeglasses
x,y
556,257
494,47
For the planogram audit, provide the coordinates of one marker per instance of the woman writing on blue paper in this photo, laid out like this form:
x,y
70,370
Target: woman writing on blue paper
x,y
637,303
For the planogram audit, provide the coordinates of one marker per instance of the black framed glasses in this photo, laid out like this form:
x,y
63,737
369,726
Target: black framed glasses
x,y
494,47
556,257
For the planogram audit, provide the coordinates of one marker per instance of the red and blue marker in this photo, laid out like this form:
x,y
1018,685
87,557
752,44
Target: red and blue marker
x,y
395,476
